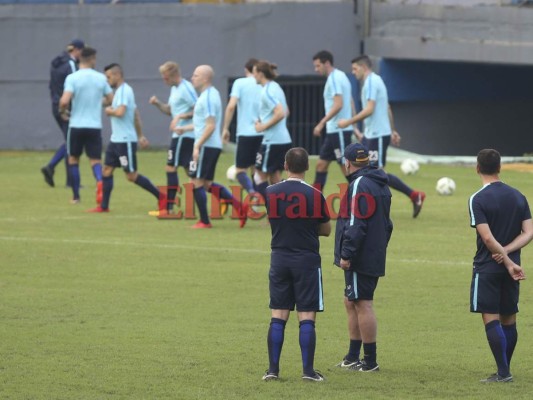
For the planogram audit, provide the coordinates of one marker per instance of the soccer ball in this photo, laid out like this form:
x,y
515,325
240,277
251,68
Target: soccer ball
x,y
231,173
445,186
409,166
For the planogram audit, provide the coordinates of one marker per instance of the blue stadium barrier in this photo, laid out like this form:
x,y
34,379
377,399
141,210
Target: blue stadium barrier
x,y
84,1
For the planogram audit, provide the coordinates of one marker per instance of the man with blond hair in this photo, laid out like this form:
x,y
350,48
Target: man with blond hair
x,y
180,107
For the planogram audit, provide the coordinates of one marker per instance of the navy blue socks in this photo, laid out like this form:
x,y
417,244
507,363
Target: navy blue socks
x,y
370,353
200,199
74,170
498,346
245,182
146,184
511,335
172,184
107,187
397,183
60,153
320,180
308,345
97,172
275,338
355,350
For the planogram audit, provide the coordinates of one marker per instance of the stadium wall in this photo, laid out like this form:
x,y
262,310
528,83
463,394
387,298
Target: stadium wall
x,y
141,37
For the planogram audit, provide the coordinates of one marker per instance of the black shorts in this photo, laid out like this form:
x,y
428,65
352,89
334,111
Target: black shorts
x,y
494,293
122,155
298,285
85,138
377,150
247,148
180,152
334,144
359,286
206,165
271,157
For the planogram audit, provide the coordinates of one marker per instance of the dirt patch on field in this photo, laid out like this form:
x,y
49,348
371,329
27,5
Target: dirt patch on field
x,y
521,167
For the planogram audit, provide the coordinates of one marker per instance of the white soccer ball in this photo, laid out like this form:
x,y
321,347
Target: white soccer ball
x,y
409,166
231,173
445,186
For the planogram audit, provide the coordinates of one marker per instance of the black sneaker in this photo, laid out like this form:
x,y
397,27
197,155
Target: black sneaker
x,y
498,378
316,377
270,376
48,175
365,367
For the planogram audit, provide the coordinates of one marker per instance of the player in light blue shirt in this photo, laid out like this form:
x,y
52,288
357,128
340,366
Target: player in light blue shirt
x,y
85,89
245,96
338,104
126,130
379,129
272,123
180,107
207,121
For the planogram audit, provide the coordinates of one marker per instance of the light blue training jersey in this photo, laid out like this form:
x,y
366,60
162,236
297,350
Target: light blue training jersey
x,y
208,105
182,100
123,128
378,124
248,93
88,88
337,84
271,95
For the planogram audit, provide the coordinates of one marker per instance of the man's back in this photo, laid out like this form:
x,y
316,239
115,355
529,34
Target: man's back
x,y
337,84
60,68
248,93
208,105
295,211
88,88
271,95
503,208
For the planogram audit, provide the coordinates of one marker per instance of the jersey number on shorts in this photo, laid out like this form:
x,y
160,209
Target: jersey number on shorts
x,y
192,166
373,155
258,159
170,155
123,161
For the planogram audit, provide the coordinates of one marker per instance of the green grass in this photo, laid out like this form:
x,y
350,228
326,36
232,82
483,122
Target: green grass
x,y
123,306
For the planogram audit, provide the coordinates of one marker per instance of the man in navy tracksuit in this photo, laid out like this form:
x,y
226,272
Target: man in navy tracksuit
x,y
61,66
361,238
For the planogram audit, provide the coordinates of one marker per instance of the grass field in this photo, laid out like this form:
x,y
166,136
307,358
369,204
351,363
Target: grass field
x,y
124,306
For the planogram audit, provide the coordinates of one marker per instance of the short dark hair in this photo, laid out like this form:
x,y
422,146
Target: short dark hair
x,y
250,64
362,59
87,52
324,56
489,162
268,69
113,65
297,160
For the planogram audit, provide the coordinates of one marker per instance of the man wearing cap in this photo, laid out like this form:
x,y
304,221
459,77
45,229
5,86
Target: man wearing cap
x,y
63,65
362,234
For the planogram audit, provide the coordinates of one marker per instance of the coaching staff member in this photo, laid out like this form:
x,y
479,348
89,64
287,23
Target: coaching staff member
x,y
503,224
361,238
298,215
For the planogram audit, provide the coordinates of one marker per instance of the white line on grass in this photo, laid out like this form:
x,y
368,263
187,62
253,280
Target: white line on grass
x,y
200,248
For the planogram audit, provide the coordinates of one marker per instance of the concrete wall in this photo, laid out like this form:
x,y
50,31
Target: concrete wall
x,y
141,37
434,32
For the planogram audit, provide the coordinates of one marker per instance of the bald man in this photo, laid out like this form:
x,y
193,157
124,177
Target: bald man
x,y
207,120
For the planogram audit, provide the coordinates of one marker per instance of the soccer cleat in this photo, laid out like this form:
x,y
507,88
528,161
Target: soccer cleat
x,y
270,376
99,192
243,214
364,367
223,207
418,200
201,225
349,364
316,377
75,201
48,175
498,378
154,213
98,209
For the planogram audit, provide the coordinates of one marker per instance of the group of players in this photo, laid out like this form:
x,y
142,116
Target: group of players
x,y
500,214
198,127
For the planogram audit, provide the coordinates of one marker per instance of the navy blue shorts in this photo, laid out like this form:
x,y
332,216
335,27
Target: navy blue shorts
x,y
247,148
359,286
206,165
377,150
271,157
299,285
122,155
334,144
494,293
180,152
85,138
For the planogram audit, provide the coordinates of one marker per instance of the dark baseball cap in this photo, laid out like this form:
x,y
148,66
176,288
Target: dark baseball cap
x,y
357,153
77,43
